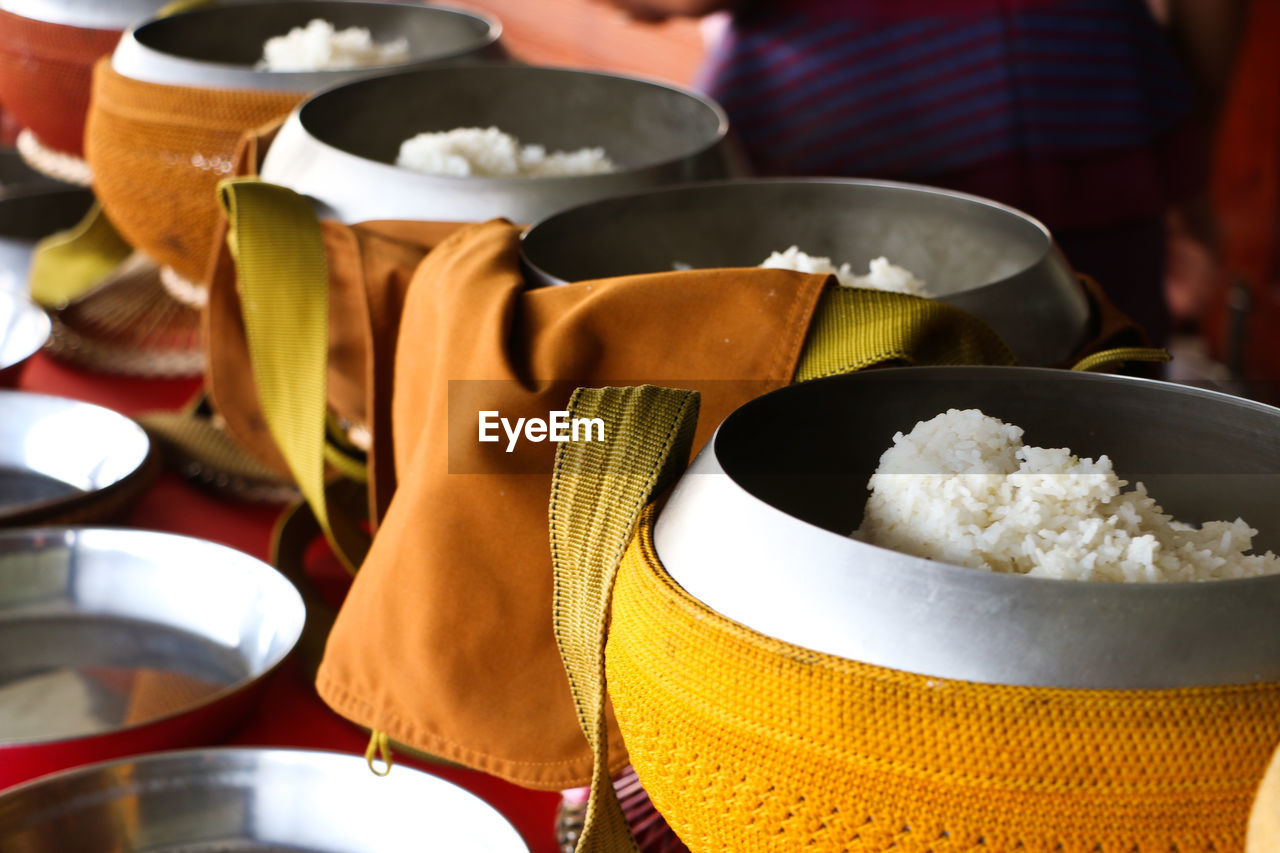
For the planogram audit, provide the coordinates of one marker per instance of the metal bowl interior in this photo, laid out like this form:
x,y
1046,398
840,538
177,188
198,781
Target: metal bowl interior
x,y
103,630
219,46
91,14
340,146
249,800
29,213
55,450
757,529
988,259
24,328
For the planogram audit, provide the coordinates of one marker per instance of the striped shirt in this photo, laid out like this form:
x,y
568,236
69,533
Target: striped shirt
x,y
1075,110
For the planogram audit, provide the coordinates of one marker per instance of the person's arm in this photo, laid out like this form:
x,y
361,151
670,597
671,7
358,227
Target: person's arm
x,y
653,11
1208,34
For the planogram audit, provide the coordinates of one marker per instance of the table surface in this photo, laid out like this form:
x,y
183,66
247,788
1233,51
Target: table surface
x,y
290,714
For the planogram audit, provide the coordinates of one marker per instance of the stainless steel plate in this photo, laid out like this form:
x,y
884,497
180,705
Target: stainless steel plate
x,y
58,454
988,259
757,529
217,47
249,801
340,147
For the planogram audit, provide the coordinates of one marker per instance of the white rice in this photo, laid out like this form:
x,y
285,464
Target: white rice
x,y
882,276
488,152
963,489
319,46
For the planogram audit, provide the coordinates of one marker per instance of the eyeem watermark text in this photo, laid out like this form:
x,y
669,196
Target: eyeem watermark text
x,y
558,427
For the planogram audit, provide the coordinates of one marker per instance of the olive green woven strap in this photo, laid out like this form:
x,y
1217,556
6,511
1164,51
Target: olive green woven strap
x,y
855,328
70,263
283,280
1118,355
598,492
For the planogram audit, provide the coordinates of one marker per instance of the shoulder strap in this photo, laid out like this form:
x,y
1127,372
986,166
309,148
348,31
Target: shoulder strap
x,y
283,279
597,494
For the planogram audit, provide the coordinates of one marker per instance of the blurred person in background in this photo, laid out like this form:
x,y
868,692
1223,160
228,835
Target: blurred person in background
x,y
1091,115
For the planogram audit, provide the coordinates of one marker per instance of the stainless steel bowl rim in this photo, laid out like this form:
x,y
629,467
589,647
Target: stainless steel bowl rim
x,y
251,678
858,182
50,403
139,61
393,171
711,524
85,14
31,315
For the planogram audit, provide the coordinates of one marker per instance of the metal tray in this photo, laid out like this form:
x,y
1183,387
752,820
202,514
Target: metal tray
x,y
115,642
249,801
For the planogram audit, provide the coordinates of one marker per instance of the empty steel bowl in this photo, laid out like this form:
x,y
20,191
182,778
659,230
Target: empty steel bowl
x,y
340,146
65,461
115,642
24,328
249,801
218,46
993,261
758,530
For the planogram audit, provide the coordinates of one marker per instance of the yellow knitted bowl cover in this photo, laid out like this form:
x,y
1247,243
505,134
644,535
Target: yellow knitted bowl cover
x,y
748,743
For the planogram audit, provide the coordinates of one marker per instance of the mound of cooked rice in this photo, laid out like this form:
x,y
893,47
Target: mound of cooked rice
x,y
883,275
319,46
488,152
963,489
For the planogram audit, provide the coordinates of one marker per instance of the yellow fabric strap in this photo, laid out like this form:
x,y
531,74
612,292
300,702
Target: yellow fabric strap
x,y
275,240
69,264
598,492
1109,357
855,328
379,747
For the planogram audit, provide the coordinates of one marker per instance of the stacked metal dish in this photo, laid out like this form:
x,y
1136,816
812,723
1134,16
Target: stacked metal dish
x,y
248,800
115,642
991,260
340,147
